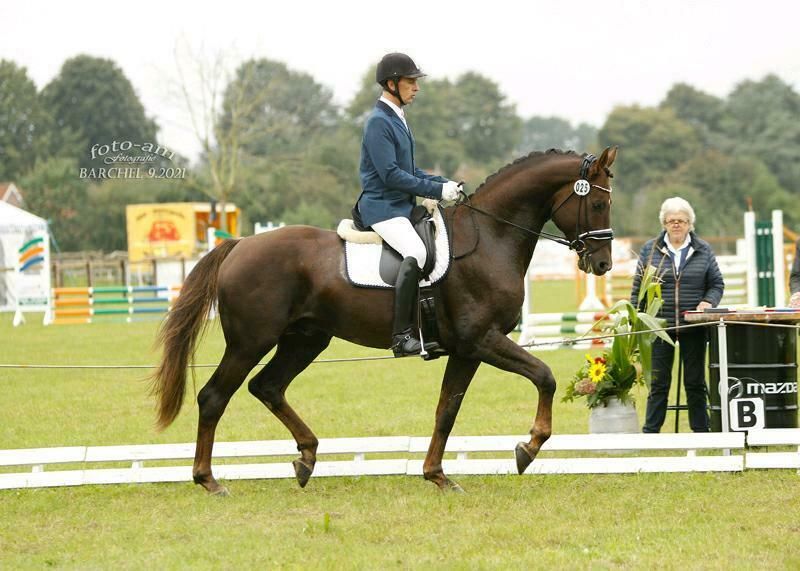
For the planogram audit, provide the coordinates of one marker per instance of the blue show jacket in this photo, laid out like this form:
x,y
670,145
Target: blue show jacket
x,y
390,180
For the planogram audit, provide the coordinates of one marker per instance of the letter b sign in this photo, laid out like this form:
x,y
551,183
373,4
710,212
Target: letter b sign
x,y
747,414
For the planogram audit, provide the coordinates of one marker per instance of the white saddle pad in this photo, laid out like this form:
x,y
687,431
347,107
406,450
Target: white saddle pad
x,y
362,260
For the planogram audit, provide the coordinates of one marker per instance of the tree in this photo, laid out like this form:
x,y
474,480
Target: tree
x,y
486,124
20,121
542,133
727,182
761,119
201,83
286,108
364,100
262,109
432,118
641,216
652,142
701,110
54,192
91,97
586,137
317,187
718,187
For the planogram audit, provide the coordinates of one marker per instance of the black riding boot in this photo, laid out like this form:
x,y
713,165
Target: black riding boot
x,y
405,304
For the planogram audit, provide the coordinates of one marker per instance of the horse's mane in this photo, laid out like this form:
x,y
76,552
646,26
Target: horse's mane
x,y
535,156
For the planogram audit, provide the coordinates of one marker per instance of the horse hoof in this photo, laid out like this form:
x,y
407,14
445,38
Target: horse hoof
x,y
221,492
302,472
524,458
447,486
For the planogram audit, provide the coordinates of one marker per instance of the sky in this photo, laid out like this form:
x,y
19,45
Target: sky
x,y
576,59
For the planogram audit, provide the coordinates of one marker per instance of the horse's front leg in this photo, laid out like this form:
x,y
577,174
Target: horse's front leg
x,y
457,377
498,350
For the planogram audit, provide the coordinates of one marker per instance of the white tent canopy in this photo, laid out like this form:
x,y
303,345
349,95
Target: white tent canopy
x,y
24,275
15,219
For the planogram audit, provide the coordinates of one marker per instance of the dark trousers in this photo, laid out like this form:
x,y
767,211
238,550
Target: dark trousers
x,y
693,353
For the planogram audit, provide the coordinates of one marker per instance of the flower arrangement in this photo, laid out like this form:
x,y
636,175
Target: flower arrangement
x,y
628,362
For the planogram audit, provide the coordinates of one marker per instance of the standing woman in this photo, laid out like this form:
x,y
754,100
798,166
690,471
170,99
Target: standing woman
x,y
690,279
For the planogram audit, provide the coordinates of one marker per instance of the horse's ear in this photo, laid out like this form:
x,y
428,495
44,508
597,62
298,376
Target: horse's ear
x,y
599,163
612,155
606,160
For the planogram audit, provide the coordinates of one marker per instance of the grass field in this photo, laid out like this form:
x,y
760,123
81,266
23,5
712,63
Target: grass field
x,y
749,520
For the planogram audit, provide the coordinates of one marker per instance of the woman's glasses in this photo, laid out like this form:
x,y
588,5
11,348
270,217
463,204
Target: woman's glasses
x,y
676,222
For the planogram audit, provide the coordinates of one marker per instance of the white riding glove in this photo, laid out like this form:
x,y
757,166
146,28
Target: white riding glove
x,y
450,190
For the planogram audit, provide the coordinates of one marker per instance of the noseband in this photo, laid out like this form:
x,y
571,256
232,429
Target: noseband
x,y
581,188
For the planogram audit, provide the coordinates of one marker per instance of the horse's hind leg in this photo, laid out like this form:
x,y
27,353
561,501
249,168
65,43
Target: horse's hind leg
x,y
212,400
457,377
295,352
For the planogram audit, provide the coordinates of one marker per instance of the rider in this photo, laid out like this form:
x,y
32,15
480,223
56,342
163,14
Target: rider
x,y
390,181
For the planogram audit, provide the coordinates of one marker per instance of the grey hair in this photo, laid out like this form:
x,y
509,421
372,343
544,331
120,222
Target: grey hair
x,y
676,205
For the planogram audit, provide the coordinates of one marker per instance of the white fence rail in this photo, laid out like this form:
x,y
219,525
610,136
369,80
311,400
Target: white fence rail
x,y
401,455
774,437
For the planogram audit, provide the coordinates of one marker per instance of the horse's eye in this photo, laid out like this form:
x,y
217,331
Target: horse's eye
x,y
599,206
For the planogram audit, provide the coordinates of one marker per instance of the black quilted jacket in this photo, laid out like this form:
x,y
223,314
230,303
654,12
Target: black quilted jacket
x,y
699,279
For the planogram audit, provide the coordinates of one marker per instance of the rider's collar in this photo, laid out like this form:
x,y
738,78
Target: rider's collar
x,y
398,110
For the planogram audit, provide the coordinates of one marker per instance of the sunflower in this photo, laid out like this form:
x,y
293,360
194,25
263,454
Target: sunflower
x,y
596,372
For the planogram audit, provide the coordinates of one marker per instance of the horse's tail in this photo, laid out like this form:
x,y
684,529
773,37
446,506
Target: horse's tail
x,y
181,330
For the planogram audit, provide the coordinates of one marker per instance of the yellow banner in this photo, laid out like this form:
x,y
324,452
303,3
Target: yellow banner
x,y
173,229
160,230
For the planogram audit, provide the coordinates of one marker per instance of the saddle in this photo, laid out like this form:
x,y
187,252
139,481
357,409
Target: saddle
x,y
425,223
422,221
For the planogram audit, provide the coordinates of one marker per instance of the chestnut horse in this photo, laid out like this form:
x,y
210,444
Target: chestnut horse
x,y
287,289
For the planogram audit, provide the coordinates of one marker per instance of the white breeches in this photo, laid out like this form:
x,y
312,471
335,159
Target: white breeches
x,y
400,235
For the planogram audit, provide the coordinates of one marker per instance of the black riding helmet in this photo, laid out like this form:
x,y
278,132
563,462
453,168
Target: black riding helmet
x,y
394,66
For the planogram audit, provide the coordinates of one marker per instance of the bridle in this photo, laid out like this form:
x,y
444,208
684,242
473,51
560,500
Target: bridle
x,y
581,189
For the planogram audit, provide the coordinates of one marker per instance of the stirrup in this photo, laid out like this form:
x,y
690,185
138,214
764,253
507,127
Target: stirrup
x,y
404,345
433,350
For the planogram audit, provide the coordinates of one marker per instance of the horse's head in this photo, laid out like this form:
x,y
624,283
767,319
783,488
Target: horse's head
x,y
582,210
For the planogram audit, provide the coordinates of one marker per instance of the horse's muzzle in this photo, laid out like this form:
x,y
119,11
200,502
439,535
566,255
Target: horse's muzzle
x,y
594,264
